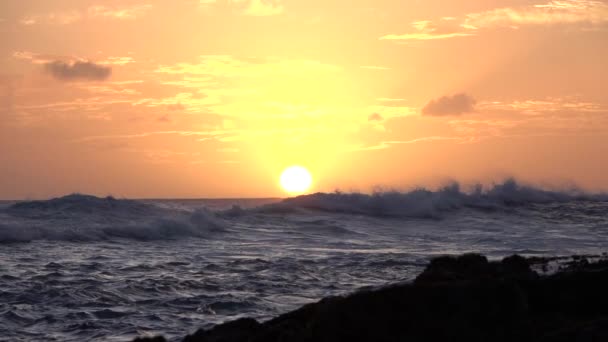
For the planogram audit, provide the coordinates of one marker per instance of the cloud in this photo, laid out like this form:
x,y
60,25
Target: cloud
x,y
228,150
175,107
375,117
450,105
389,99
207,3
264,7
179,102
257,8
374,67
120,13
428,30
114,60
246,86
554,12
557,12
392,111
56,18
98,11
551,105
388,144
79,70
39,58
35,58
226,66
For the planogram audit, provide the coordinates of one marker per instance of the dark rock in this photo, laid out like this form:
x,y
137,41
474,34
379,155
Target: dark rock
x,y
150,339
466,298
238,330
515,265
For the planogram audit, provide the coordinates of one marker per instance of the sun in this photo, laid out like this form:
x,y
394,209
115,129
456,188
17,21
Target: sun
x,y
295,179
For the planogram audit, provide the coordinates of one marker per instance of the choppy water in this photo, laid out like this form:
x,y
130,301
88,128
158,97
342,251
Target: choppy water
x,y
86,268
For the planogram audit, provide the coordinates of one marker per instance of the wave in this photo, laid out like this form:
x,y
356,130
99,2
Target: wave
x,y
81,204
423,203
88,218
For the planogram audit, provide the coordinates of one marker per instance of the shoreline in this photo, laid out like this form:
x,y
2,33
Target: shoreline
x,y
463,298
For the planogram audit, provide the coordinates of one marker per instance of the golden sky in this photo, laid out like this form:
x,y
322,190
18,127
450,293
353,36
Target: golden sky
x,y
213,98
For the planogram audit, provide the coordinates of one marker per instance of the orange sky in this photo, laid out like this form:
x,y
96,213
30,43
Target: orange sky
x,y
213,98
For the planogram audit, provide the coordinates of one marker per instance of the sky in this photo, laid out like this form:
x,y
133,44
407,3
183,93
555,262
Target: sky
x,y
214,98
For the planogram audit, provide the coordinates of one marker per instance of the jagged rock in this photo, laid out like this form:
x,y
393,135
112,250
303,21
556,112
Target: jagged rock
x,y
464,298
238,330
150,339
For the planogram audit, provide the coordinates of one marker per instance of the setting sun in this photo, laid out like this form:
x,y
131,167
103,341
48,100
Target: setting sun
x,y
295,149
295,179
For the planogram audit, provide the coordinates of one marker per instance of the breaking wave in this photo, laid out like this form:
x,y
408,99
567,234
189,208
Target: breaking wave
x,y
423,203
77,203
88,218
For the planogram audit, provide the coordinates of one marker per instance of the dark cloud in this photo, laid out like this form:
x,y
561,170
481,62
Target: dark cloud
x,y
375,117
450,105
87,71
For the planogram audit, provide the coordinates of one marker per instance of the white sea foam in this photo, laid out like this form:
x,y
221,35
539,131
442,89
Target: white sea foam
x,y
86,268
88,218
423,203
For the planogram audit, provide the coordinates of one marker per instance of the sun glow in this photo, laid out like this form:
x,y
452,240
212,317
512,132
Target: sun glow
x,y
296,180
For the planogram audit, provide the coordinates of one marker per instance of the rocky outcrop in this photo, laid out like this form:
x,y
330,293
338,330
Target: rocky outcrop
x,y
464,298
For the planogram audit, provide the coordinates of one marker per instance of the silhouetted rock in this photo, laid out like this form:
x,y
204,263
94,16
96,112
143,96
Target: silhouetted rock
x,y
150,339
464,298
238,330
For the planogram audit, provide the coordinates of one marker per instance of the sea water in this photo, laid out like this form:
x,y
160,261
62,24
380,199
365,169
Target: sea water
x,y
104,269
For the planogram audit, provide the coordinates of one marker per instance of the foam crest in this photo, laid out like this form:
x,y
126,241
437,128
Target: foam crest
x,y
89,218
81,204
423,203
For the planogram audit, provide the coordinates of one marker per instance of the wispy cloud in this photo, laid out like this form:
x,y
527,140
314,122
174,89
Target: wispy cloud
x,y
543,106
228,150
558,12
211,134
553,12
184,101
57,18
392,111
35,58
67,17
428,30
387,144
374,67
120,13
258,8
80,104
229,66
534,117
219,79
115,60
389,99
264,7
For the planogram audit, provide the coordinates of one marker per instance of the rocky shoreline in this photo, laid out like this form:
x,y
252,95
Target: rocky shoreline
x,y
464,298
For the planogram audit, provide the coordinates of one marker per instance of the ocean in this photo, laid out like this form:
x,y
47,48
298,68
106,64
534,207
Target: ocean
x,y
103,269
